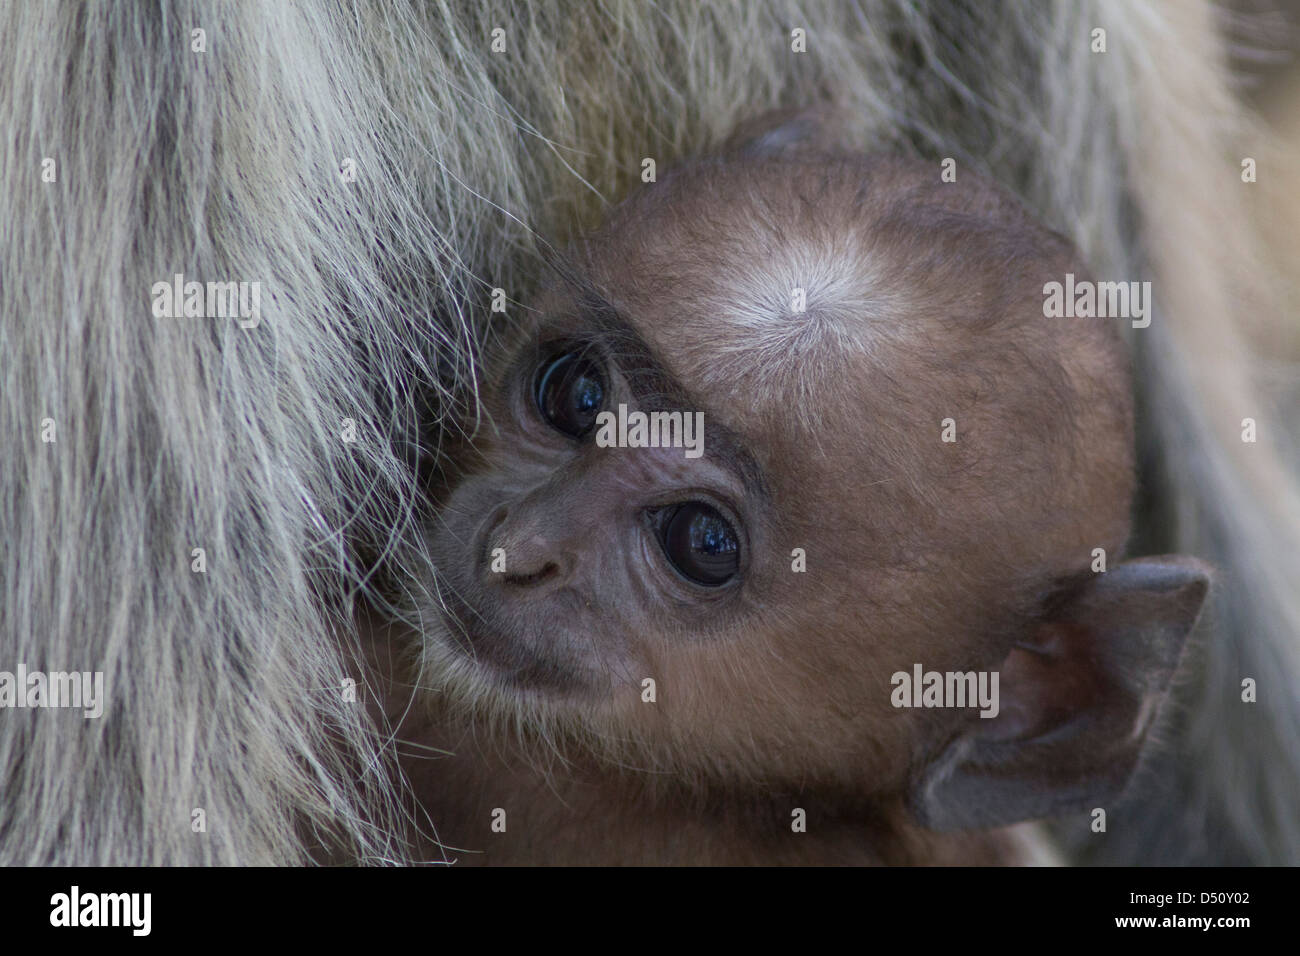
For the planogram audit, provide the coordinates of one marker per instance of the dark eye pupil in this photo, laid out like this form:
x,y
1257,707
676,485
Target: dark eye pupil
x,y
701,544
570,393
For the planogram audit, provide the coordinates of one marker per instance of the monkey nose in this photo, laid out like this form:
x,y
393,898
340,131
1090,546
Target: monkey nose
x,y
530,563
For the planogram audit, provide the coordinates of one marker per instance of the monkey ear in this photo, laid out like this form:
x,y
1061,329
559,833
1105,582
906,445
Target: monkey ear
x,y
1076,702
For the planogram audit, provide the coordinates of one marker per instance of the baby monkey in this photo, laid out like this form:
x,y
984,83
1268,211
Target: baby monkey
x,y
649,656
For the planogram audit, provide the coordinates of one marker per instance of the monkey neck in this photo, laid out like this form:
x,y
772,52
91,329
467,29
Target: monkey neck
x,y
585,811
582,812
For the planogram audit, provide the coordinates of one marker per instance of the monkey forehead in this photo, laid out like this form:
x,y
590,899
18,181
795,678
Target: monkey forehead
x,y
802,307
835,314
776,277
757,260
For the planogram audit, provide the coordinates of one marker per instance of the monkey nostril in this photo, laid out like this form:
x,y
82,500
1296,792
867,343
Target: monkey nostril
x,y
531,562
525,578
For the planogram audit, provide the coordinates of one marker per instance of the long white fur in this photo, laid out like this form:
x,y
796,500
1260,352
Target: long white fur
x,y
224,687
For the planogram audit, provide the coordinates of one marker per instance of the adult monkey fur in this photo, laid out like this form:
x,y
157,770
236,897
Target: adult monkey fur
x,y
179,434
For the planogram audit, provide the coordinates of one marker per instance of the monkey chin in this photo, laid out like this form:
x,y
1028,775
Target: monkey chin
x,y
474,674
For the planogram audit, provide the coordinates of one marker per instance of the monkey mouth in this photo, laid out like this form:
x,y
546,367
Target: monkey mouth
x,y
509,661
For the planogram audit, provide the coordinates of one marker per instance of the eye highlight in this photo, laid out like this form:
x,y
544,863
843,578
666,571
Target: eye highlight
x,y
569,391
700,543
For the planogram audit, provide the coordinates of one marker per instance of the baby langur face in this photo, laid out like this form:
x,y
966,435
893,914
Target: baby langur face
x,y
575,558
799,332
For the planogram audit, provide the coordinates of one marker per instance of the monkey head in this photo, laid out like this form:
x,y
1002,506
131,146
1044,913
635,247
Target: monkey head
x,y
904,464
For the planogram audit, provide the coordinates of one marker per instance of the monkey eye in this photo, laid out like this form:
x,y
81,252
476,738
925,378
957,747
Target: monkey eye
x,y
569,392
700,543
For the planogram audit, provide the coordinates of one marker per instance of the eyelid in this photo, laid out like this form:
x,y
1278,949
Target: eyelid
x,y
657,519
548,350
659,506
714,497
555,377
637,378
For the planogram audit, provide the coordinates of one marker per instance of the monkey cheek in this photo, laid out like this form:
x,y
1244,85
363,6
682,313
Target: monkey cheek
x,y
532,648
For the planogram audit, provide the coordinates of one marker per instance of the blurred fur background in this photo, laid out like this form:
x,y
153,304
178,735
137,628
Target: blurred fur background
x,y
223,687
